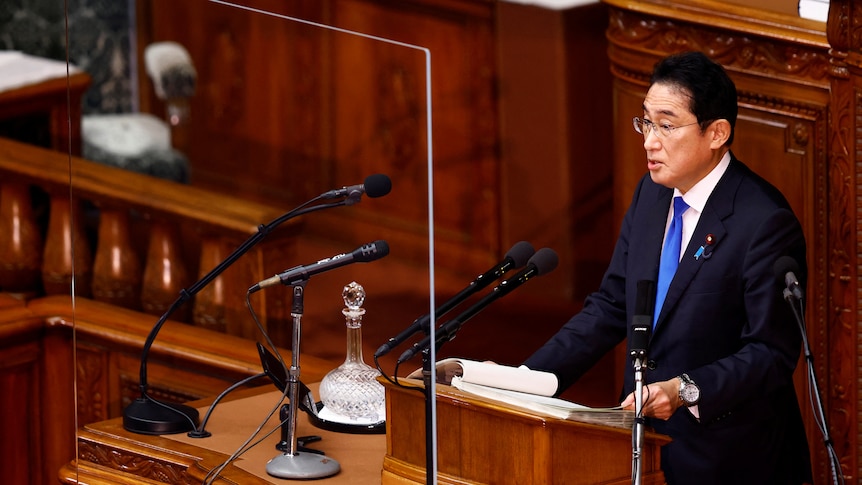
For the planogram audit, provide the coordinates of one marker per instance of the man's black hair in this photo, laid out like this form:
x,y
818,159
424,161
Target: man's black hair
x,y
711,91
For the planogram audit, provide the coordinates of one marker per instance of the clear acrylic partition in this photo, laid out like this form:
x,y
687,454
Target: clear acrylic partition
x,y
339,97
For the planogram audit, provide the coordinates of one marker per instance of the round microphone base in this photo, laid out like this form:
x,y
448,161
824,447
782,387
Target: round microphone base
x,y
302,466
145,416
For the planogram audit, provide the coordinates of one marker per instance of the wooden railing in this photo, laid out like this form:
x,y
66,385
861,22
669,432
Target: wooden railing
x,y
132,240
63,366
134,245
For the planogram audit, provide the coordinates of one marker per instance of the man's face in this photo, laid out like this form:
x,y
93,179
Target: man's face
x,y
683,157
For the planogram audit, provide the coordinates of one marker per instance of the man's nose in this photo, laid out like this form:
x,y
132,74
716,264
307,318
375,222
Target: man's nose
x,y
651,140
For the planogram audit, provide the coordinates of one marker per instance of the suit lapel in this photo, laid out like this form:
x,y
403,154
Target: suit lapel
x,y
705,239
645,249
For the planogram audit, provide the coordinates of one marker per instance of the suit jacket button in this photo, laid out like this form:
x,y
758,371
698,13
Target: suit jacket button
x,y
651,365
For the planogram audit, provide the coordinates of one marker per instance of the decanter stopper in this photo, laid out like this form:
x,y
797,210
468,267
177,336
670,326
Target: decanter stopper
x,y
354,296
351,390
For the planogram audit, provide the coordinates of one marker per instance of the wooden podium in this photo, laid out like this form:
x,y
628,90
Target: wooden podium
x,y
481,441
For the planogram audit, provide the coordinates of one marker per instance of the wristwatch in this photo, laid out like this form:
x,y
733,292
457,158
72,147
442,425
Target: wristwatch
x,y
689,393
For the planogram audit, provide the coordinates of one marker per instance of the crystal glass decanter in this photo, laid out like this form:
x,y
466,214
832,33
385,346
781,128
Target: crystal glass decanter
x,y
351,390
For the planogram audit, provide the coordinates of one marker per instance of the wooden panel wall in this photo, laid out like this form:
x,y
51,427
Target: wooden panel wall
x,y
520,96
286,111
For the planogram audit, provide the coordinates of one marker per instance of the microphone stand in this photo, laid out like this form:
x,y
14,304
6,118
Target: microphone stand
x,y
642,323
817,404
639,358
427,374
146,415
293,464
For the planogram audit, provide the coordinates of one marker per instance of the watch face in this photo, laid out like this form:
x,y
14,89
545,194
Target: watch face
x,y
690,393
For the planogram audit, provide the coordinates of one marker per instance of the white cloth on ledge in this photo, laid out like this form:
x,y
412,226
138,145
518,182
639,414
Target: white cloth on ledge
x,y
18,70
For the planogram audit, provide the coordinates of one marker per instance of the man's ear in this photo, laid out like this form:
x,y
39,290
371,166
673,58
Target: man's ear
x,y
720,130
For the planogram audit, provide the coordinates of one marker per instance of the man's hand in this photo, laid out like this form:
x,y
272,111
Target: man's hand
x,y
660,399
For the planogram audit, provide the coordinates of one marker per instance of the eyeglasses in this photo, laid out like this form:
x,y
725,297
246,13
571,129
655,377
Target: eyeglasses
x,y
644,127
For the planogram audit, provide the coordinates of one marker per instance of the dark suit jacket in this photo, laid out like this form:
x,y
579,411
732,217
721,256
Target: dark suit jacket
x,y
724,322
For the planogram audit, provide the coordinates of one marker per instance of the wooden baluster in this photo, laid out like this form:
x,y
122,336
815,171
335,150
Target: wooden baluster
x,y
66,250
20,241
165,275
116,270
209,310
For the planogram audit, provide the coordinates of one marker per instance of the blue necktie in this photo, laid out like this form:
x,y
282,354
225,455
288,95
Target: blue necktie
x,y
669,255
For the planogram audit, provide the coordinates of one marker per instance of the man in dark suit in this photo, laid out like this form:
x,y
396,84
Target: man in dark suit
x,y
725,343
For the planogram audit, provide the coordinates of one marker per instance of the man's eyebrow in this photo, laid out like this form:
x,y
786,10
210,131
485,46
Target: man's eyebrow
x,y
665,112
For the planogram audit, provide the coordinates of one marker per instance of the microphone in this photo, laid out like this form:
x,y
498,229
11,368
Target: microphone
x,y
376,185
146,415
363,254
516,257
643,318
785,269
544,261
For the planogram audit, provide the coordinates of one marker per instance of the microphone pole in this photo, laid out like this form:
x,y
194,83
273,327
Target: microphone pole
x,y
146,415
516,257
543,261
641,329
292,464
820,418
786,268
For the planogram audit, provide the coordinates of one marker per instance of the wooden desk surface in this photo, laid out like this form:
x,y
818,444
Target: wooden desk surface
x,y
109,454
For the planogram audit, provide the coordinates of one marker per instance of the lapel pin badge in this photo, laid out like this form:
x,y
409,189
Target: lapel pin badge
x,y
705,250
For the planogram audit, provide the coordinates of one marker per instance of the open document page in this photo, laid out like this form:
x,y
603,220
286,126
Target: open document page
x,y
523,388
558,408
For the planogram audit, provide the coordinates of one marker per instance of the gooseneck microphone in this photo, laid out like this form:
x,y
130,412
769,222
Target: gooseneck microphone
x,y
376,185
363,254
146,415
516,257
544,261
785,269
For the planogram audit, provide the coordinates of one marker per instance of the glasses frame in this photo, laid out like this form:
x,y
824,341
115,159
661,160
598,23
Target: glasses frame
x,y
645,127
